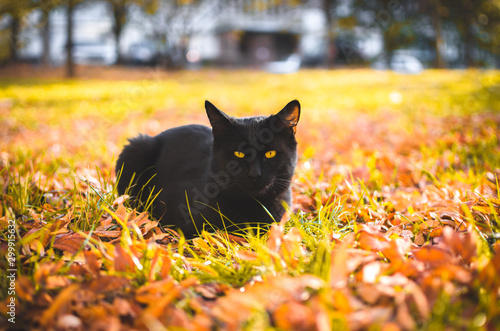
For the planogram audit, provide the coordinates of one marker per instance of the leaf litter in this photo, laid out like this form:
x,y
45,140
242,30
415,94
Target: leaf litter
x,y
394,228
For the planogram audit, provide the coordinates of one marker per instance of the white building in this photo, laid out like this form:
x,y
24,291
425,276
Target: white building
x,y
210,32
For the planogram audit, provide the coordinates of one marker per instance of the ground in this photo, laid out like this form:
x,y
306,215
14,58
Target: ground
x,y
394,226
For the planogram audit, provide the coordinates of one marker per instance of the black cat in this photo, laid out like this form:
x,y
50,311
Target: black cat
x,y
236,175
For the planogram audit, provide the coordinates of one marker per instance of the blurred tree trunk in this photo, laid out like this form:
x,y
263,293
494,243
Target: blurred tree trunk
x,y
468,46
119,8
45,31
438,43
388,47
70,66
468,38
329,7
15,26
438,29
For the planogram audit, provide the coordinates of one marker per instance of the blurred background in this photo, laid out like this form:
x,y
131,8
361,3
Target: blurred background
x,y
275,35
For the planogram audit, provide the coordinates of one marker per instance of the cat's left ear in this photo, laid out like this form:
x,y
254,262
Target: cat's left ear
x,y
290,115
217,118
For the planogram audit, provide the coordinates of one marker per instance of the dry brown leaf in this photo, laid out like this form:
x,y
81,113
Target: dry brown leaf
x,y
419,238
70,242
369,293
489,275
371,239
123,307
107,283
108,234
120,200
339,272
56,281
50,315
294,316
462,244
433,255
93,264
419,298
123,259
403,316
363,319
275,237
24,288
246,255
148,226
151,292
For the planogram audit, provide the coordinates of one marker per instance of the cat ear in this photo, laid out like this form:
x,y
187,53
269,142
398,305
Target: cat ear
x,y
289,116
217,118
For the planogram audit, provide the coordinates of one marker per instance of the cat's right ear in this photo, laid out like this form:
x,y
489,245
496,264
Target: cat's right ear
x,y
217,118
289,116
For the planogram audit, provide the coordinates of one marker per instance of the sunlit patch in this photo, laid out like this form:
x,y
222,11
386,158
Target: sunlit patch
x,y
395,97
193,56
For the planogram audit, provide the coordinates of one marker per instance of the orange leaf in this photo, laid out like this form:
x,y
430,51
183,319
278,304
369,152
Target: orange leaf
x,y
154,264
106,223
154,290
403,315
433,255
275,237
341,301
107,283
188,282
93,263
420,299
120,200
204,267
464,245
294,316
25,290
338,267
246,255
292,247
70,242
391,327
369,293
374,241
123,260
108,234
49,315
123,307
56,281
165,266
396,250
489,275
157,308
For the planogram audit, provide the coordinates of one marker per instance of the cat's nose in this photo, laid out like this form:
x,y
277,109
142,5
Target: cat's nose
x,y
254,172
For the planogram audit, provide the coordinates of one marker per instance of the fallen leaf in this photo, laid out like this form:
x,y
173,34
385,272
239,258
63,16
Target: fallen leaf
x,y
71,242
49,315
294,316
433,255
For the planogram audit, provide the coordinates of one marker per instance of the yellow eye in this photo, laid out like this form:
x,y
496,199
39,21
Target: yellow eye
x,y
239,155
270,154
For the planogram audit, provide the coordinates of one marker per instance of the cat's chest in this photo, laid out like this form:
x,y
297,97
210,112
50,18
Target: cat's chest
x,y
246,209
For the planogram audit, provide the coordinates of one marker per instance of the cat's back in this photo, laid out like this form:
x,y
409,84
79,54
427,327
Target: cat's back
x,y
185,153
177,154
188,136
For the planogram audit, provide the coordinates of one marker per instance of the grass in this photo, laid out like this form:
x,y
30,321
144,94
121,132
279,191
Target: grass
x,y
395,216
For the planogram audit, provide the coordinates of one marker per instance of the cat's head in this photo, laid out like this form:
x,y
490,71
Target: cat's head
x,y
256,155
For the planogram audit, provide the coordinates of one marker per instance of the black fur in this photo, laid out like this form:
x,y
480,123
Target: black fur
x,y
198,181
